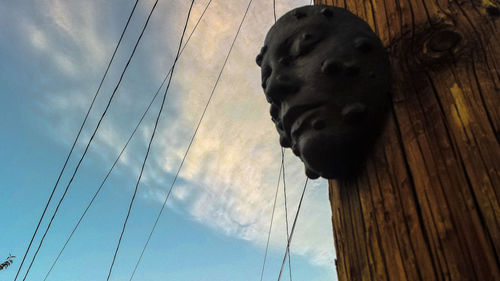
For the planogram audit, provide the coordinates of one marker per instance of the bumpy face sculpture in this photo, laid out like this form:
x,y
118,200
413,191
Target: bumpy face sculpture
x,y
326,75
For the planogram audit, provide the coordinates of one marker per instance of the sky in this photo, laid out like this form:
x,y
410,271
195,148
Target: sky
x,y
54,53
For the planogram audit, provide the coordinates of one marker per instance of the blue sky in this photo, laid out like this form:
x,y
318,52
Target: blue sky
x,y
54,53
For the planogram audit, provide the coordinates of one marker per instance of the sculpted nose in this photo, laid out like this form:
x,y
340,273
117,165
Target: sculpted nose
x,y
279,86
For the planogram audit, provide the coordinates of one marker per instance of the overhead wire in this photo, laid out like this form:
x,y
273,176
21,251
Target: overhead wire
x,y
150,141
286,211
282,170
274,10
293,229
284,186
76,139
124,148
272,219
91,139
193,137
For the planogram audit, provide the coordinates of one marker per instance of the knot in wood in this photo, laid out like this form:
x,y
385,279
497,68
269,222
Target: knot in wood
x,y
444,40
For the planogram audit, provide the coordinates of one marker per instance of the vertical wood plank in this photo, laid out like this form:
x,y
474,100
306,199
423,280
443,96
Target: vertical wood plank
x,y
427,205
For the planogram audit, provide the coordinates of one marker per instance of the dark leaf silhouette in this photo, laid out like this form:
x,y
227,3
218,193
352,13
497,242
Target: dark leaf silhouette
x,y
8,261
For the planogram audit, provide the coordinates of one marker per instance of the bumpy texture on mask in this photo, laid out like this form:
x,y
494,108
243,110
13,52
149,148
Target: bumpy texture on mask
x,y
326,75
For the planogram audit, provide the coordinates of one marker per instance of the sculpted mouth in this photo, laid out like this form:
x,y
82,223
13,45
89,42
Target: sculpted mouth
x,y
294,114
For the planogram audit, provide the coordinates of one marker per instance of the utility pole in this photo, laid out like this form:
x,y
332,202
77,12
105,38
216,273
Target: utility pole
x,y
427,205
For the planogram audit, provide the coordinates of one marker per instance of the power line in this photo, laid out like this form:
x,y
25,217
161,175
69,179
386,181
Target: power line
x,y
90,141
284,188
293,229
286,210
282,169
76,139
192,138
123,149
274,10
101,185
272,218
150,140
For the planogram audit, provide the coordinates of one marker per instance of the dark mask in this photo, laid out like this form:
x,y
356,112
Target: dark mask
x,y
326,75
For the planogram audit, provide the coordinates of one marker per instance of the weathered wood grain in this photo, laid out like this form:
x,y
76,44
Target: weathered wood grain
x,y
427,205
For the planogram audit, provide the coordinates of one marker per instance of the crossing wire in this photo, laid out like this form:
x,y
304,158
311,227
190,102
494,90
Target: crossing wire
x,y
286,211
284,185
70,153
123,149
274,10
90,141
274,204
150,140
76,140
192,138
293,229
272,218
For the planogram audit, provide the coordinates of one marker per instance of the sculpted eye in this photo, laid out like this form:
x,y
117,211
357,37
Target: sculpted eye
x,y
286,60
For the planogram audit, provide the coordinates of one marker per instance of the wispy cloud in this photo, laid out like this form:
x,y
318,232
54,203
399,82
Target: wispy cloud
x,y
229,178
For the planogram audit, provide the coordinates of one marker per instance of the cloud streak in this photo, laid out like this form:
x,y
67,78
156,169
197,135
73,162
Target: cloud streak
x,y
229,178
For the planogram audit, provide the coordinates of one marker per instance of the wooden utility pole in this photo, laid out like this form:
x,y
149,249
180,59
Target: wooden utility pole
x,y
427,205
